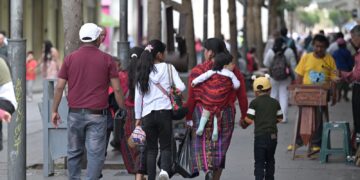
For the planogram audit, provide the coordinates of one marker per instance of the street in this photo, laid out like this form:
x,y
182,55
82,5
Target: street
x,y
240,162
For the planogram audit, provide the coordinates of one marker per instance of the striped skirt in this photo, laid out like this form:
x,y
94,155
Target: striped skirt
x,y
210,155
134,158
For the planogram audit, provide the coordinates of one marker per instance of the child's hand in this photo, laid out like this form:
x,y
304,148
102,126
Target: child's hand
x,y
5,116
248,120
193,85
243,124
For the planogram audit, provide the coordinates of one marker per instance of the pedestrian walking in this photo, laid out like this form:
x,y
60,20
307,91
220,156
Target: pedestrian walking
x,y
281,61
88,72
153,108
50,61
265,112
31,65
134,157
354,77
222,68
8,102
344,62
316,68
209,155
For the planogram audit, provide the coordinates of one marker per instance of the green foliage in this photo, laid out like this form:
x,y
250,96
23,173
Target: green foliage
x,y
291,5
339,17
309,19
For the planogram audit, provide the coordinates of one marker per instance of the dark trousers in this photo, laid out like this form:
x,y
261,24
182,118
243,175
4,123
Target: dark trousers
x,y
264,152
158,128
1,137
356,107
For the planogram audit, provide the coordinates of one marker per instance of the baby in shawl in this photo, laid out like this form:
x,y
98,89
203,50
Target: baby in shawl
x,y
222,66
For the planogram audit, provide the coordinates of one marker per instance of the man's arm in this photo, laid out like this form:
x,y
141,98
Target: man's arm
x,y
119,96
59,89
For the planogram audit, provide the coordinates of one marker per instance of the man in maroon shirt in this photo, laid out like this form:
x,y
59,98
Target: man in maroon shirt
x,y
88,72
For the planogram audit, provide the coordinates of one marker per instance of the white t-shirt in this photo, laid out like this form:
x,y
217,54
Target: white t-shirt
x,y
155,99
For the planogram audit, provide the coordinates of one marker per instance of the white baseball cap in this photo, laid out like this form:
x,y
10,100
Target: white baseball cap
x,y
89,32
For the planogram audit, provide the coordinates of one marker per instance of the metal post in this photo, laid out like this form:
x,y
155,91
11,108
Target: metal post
x,y
205,35
123,53
245,45
17,128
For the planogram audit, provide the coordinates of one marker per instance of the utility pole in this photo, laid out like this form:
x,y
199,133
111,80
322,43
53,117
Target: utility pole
x,y
123,44
245,45
123,54
205,34
17,128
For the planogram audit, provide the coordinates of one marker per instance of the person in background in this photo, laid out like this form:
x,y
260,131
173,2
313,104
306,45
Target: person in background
x,y
279,87
289,41
50,61
134,158
88,72
316,68
252,64
354,77
198,50
335,45
307,42
344,62
31,65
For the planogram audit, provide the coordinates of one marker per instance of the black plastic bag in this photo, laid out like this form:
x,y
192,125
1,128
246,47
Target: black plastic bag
x,y
184,160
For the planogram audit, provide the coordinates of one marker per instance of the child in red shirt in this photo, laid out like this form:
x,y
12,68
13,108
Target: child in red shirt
x,y
31,65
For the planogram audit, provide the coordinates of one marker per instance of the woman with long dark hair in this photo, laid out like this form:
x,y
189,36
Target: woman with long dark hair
x,y
210,155
50,61
133,157
153,107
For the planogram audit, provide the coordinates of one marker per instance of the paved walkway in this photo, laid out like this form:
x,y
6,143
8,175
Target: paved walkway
x,y
240,162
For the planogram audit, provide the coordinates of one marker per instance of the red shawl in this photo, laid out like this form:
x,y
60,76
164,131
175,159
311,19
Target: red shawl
x,y
215,93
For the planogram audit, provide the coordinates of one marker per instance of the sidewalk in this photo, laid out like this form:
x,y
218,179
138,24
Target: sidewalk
x,y
240,162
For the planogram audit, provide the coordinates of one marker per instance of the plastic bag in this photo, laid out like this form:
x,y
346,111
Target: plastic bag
x,y
184,162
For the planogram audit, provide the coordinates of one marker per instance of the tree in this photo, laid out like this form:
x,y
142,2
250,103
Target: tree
x,y
217,18
309,19
339,18
154,19
73,19
253,26
185,8
291,6
233,30
276,16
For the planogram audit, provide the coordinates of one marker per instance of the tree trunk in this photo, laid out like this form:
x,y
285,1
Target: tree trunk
x,y
217,18
189,35
233,30
276,16
253,28
154,19
73,19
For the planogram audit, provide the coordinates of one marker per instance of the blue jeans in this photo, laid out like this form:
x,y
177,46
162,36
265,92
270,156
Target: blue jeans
x,y
86,130
264,151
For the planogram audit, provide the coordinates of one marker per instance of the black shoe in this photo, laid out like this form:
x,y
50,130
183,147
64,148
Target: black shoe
x,y
115,145
209,175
